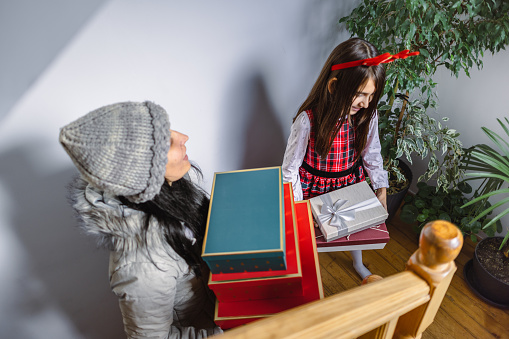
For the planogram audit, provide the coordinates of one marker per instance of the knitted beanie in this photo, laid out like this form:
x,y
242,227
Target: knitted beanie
x,y
121,149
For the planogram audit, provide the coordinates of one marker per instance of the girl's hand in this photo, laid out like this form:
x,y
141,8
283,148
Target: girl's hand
x,y
381,194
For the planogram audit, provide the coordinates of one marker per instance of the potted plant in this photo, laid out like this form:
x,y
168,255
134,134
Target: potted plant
x,y
490,265
430,203
446,34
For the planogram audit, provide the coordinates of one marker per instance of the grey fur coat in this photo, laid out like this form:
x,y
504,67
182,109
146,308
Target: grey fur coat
x,y
159,296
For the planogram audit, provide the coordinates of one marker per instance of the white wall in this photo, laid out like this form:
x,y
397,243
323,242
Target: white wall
x,y
231,75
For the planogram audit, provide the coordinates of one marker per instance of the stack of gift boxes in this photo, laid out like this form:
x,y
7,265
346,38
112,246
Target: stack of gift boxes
x,y
260,245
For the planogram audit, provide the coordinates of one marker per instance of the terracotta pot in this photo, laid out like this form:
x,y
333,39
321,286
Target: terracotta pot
x,y
487,284
394,200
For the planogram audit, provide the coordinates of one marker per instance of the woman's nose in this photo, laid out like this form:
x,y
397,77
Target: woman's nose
x,y
184,138
179,137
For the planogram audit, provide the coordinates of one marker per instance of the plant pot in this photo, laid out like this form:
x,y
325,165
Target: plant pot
x,y
394,200
485,284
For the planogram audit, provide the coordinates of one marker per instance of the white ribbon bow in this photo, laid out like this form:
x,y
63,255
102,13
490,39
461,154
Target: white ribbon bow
x,y
338,216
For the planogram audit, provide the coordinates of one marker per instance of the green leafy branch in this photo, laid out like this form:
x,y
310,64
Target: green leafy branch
x,y
446,35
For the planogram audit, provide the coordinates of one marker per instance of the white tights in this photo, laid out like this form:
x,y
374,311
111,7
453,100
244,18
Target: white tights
x,y
358,265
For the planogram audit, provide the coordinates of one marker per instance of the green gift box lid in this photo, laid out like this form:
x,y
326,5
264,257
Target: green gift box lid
x,y
246,216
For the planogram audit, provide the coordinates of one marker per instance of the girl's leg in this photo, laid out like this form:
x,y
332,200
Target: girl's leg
x,y
358,265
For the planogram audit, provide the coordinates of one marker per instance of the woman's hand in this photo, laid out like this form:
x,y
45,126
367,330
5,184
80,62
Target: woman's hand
x,y
381,194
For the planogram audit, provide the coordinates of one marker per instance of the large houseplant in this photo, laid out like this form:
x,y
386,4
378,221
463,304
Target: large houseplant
x,y
451,34
490,265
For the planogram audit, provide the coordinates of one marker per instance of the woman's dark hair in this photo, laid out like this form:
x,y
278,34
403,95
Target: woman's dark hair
x,y
330,110
183,204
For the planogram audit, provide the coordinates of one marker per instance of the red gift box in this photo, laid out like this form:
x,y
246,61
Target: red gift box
x,y
266,284
232,314
374,238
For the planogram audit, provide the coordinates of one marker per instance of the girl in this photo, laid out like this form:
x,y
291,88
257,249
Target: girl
x,y
135,195
334,136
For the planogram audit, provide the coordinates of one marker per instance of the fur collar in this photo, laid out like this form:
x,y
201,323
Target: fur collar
x,y
115,226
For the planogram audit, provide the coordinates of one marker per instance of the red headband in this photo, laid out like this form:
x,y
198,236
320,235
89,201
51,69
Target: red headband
x,y
381,59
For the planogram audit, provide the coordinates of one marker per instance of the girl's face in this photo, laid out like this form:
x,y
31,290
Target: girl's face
x,y
364,96
178,164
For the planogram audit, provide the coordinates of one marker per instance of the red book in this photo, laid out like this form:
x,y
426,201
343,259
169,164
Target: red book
x,y
232,314
266,284
370,239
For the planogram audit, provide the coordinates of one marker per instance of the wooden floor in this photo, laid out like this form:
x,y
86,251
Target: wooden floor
x,y
461,315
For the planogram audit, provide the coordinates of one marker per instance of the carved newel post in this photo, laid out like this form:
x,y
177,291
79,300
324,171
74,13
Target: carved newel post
x,y
439,244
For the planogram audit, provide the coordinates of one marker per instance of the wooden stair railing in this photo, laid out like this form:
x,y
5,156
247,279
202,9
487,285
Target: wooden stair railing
x,y
399,306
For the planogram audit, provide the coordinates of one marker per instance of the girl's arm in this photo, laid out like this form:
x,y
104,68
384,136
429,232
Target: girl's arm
x,y
373,162
372,157
295,151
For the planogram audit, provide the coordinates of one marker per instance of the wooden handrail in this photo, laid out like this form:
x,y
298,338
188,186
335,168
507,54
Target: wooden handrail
x,y
440,243
345,315
402,305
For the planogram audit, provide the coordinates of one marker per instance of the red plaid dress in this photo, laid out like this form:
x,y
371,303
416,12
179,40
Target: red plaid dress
x,y
341,157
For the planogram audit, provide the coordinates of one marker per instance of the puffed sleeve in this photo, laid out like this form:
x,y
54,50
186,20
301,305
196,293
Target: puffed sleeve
x,y
146,297
372,157
294,154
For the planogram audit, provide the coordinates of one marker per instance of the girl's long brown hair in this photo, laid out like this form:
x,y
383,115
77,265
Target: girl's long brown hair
x,y
330,110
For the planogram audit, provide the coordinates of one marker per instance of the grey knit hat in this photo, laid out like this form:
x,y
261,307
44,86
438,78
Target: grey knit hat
x,y
121,149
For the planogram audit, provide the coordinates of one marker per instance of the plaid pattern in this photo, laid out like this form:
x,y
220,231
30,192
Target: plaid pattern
x,y
341,157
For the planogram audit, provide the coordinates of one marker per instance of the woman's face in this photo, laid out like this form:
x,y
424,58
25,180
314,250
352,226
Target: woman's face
x,y
178,164
364,96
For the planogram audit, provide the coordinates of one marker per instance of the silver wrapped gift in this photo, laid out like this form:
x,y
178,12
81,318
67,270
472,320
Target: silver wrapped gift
x,y
347,210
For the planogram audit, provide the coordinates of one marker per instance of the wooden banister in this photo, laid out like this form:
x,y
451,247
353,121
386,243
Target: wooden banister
x,y
402,305
440,243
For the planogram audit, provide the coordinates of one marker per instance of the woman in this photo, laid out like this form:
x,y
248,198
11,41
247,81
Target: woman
x,y
135,195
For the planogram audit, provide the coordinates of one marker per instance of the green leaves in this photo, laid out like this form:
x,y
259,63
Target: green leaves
x,y
424,52
446,34
431,203
421,135
437,202
492,166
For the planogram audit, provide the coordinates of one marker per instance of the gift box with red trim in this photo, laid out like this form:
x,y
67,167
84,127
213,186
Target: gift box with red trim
x,y
373,238
266,284
236,313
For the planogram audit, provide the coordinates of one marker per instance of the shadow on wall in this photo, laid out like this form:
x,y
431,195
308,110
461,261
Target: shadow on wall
x,y
249,114
321,33
264,143
36,33
71,274
252,133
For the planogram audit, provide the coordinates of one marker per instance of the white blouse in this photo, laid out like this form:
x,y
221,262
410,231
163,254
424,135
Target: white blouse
x,y
297,146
